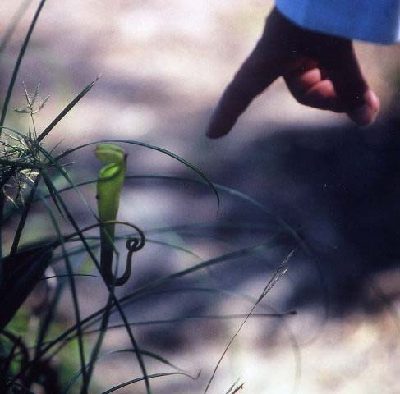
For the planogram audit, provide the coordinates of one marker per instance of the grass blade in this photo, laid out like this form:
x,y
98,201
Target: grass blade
x,y
159,283
129,382
13,24
279,273
110,290
64,112
18,63
24,216
74,293
151,147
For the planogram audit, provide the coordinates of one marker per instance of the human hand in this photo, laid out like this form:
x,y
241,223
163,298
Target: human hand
x,y
320,71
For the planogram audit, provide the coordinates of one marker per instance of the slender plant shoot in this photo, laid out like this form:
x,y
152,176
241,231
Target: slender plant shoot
x,y
109,186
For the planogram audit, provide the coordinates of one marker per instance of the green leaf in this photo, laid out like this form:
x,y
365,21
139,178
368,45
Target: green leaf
x,y
21,272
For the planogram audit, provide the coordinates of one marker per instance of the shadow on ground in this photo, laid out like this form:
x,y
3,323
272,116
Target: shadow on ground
x,y
338,190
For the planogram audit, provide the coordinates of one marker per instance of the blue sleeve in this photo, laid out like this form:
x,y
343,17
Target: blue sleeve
x,y
368,20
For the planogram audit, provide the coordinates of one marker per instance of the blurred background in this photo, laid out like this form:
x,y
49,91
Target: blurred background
x,y
163,66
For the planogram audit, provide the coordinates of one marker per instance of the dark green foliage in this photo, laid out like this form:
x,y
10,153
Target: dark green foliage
x,y
21,273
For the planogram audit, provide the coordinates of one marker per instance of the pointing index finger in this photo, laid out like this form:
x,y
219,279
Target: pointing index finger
x,y
260,69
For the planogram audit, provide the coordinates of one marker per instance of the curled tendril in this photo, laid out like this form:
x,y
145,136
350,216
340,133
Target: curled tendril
x,y
132,245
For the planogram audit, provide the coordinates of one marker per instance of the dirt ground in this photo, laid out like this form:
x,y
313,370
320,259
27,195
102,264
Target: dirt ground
x,y
163,65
